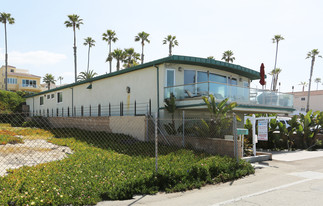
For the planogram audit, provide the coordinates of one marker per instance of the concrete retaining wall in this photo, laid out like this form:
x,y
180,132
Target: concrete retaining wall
x,y
134,126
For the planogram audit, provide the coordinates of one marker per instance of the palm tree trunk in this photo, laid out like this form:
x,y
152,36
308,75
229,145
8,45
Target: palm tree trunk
x,y
6,58
88,59
273,83
170,49
110,62
75,65
118,64
309,86
142,53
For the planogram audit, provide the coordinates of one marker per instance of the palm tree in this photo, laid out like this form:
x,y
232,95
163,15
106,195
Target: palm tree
x,y
60,78
74,21
317,81
275,73
312,54
228,56
131,57
171,40
49,79
304,84
110,36
6,18
89,74
89,41
210,57
143,37
119,55
276,39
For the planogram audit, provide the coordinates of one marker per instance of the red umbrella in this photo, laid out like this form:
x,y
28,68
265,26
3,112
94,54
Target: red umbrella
x,y
262,75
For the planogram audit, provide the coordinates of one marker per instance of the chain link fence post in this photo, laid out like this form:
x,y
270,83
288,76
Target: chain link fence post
x,y
156,142
183,140
235,137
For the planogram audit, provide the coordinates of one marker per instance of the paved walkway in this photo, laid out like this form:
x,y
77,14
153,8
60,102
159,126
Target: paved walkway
x,y
296,155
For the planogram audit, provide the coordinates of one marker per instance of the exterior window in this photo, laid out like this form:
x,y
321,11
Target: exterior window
x,y
233,81
29,83
189,78
170,77
59,97
52,96
202,88
12,70
41,100
303,109
82,111
303,99
12,81
48,96
218,78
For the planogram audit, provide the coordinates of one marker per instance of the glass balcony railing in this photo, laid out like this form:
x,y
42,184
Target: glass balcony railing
x,y
241,95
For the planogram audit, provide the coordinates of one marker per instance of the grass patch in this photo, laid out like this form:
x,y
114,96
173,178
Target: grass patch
x,y
106,166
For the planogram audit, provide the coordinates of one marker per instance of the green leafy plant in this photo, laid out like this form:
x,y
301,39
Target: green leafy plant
x,y
170,105
219,119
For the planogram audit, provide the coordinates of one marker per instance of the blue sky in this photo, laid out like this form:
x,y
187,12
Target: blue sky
x,y
40,42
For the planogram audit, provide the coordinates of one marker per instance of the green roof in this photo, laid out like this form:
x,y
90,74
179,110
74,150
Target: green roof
x,y
211,63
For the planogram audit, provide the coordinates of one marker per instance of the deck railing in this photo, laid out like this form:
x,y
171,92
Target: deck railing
x,y
241,95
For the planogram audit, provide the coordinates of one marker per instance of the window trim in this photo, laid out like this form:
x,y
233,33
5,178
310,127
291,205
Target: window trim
x,y
41,100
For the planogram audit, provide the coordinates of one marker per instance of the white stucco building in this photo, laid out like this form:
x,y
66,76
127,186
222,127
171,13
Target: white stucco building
x,y
188,78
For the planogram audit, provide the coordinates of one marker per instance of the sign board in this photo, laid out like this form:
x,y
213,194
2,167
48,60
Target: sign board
x,y
263,130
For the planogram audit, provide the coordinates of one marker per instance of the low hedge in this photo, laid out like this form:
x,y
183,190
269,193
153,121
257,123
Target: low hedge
x,y
94,174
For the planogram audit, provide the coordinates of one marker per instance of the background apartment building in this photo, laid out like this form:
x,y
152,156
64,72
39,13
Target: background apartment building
x,y
19,80
300,101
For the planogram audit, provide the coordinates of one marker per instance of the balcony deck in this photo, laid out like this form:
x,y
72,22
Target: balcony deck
x,y
244,96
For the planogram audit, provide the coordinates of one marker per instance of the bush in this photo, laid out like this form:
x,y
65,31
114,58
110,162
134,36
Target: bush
x,y
99,170
10,101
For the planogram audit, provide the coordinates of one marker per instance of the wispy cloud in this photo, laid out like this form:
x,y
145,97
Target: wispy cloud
x,y
36,58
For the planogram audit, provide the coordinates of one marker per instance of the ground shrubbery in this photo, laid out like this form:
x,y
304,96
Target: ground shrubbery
x,y
106,166
10,101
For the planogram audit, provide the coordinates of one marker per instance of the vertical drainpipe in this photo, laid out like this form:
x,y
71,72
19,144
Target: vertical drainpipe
x,y
72,102
157,89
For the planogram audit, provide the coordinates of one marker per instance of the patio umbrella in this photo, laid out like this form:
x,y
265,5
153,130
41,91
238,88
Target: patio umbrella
x,y
262,75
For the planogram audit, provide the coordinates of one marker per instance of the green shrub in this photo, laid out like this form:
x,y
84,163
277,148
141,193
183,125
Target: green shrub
x,y
10,101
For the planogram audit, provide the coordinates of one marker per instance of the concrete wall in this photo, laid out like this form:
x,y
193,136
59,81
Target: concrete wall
x,y
129,125
300,101
213,146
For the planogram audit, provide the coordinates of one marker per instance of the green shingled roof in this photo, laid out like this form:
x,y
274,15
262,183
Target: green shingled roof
x,y
211,63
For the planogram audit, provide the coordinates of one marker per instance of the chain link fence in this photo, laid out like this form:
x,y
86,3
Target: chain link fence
x,y
81,160
30,140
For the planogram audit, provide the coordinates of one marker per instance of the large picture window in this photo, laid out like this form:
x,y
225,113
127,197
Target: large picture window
x,y
59,97
29,83
170,77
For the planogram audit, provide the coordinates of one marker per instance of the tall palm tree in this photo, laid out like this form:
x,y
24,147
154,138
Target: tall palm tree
x,y
6,18
172,42
228,56
74,21
143,37
276,39
317,81
119,55
49,79
110,37
131,57
275,73
89,74
312,54
60,78
304,84
90,42
210,57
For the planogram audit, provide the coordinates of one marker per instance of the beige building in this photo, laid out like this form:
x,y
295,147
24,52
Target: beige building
x,y
19,80
300,101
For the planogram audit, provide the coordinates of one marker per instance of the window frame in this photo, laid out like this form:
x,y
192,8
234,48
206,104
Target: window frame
x,y
174,82
59,100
